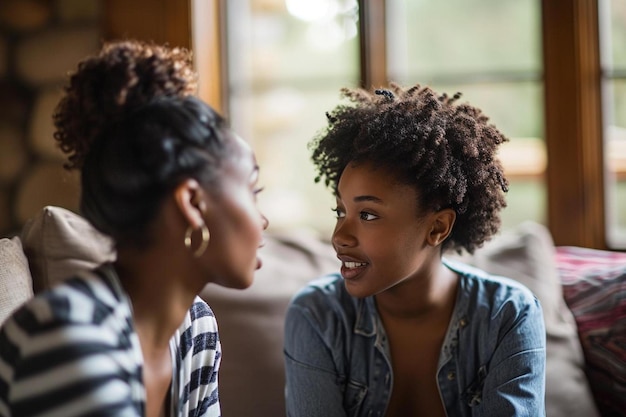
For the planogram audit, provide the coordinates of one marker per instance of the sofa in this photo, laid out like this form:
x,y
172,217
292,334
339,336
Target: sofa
x,y
582,292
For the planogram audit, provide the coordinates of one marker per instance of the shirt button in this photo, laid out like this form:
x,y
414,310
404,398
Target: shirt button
x,y
462,322
451,376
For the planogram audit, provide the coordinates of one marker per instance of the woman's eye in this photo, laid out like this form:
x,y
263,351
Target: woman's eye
x,y
367,216
339,213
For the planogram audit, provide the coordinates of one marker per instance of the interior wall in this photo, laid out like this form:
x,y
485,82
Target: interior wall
x,y
40,42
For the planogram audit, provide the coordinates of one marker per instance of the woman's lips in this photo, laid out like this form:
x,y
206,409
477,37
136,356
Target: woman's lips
x,y
259,262
350,270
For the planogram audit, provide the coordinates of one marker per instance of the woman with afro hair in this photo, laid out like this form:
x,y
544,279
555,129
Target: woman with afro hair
x,y
175,189
401,330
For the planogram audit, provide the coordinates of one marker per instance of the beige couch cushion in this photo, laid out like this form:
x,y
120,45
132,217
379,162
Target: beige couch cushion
x,y
59,243
251,323
15,281
527,254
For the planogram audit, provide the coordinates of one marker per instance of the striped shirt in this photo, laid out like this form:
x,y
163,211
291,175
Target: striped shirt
x,y
73,351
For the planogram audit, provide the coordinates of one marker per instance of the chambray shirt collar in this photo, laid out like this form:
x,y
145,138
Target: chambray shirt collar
x,y
460,316
367,319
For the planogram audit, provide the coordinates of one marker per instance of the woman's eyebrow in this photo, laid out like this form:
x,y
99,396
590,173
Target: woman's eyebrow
x,y
361,198
370,198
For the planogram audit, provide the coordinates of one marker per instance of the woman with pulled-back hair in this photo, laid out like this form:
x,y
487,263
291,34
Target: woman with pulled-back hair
x,y
175,189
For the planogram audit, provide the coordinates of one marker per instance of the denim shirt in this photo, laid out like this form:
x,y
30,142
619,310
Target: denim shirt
x,y
491,363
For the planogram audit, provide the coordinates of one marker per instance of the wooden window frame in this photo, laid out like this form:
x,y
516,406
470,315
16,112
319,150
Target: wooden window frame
x,y
192,24
574,139
572,85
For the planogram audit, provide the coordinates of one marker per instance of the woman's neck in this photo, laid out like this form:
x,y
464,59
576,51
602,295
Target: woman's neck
x,y
157,293
421,297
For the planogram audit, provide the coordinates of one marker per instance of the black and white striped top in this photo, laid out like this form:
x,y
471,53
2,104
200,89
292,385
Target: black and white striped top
x,y
73,351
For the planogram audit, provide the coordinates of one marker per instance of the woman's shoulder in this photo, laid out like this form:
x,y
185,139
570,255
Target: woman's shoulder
x,y
327,291
86,298
83,310
198,331
490,283
199,320
200,310
494,295
326,306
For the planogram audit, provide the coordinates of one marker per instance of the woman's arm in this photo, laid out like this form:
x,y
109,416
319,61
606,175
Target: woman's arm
x,y
314,387
65,369
198,354
514,383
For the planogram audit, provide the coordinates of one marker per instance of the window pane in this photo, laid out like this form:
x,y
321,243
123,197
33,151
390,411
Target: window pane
x,y
615,13
494,60
287,61
516,108
436,39
613,56
615,159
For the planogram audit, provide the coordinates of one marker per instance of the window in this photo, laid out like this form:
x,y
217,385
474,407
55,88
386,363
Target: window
x,y
613,59
287,60
494,59
582,101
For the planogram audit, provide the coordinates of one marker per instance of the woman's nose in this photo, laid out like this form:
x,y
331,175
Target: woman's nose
x,y
343,236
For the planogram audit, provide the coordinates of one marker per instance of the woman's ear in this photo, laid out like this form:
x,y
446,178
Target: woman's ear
x,y
189,197
441,226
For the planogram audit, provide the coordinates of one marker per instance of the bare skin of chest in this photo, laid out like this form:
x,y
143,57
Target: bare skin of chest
x,y
414,355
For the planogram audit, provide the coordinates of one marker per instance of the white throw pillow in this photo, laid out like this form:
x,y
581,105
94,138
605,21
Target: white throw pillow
x,y
16,285
59,243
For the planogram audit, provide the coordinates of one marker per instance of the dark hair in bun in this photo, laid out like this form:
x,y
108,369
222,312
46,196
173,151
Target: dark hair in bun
x,y
136,162
123,76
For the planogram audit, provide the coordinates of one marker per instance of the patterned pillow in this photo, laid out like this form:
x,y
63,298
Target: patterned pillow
x,y
594,287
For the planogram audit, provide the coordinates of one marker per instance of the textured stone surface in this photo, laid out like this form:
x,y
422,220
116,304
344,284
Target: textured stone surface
x,y
14,102
49,56
47,183
13,154
41,42
41,128
6,223
4,57
25,15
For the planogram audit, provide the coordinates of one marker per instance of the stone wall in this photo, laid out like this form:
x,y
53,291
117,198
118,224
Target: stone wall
x,y
40,42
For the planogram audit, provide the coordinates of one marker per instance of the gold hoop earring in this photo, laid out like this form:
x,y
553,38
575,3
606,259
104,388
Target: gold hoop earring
x,y
203,245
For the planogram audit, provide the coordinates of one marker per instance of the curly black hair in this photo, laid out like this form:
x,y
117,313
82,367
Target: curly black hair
x,y
123,76
446,150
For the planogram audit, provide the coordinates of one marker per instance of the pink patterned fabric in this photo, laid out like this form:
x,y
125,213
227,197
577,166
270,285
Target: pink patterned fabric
x,y
594,287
